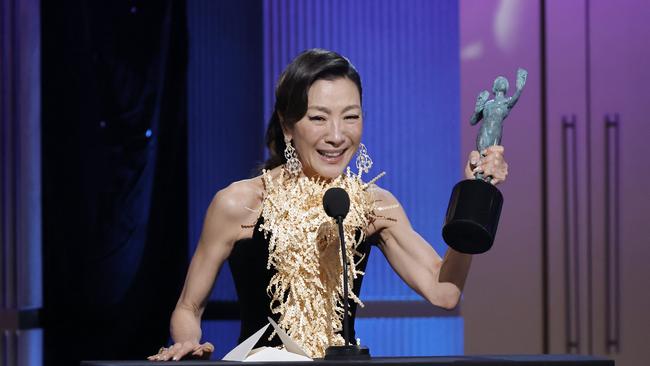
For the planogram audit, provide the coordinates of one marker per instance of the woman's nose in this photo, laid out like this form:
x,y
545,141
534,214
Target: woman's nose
x,y
335,133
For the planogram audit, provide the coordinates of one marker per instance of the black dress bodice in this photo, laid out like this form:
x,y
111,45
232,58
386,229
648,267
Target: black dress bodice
x,y
248,261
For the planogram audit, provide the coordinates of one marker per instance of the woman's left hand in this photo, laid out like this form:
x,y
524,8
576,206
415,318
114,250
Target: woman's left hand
x,y
491,164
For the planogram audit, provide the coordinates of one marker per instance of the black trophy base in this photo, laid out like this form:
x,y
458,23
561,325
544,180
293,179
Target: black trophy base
x,y
472,216
350,352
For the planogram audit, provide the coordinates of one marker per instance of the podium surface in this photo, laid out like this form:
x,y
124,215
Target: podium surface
x,y
492,360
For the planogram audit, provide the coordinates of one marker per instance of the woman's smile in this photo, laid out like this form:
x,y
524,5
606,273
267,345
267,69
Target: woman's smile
x,y
332,156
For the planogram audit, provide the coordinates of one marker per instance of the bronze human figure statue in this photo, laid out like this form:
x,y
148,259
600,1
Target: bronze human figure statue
x,y
475,205
494,111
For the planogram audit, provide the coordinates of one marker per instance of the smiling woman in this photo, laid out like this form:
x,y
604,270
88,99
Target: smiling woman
x,y
329,133
316,93
281,245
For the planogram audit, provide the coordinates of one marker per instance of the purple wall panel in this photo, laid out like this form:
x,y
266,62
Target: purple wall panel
x,y
599,245
502,300
596,86
568,141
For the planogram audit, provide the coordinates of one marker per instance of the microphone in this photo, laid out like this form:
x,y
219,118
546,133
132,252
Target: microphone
x,y
336,203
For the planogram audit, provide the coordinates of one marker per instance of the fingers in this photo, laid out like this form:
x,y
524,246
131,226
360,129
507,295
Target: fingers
x,y
182,351
474,158
495,168
492,164
158,355
472,161
175,352
203,351
208,347
493,149
163,354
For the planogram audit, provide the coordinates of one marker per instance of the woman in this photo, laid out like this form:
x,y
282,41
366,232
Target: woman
x,y
282,247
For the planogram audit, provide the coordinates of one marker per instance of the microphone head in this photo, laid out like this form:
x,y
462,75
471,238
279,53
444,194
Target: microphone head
x,y
336,202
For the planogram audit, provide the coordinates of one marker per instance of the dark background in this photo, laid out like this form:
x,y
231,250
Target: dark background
x,y
114,153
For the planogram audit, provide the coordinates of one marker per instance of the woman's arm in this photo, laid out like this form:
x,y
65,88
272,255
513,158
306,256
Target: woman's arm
x,y
440,281
415,261
221,229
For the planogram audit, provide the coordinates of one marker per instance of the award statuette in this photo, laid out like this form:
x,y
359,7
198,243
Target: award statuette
x,y
475,204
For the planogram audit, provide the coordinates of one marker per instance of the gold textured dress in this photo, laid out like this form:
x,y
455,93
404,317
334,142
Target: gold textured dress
x,y
305,290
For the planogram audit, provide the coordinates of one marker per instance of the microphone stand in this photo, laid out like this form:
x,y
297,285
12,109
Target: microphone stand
x,y
347,351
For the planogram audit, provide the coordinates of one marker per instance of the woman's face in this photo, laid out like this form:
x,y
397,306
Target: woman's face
x,y
328,135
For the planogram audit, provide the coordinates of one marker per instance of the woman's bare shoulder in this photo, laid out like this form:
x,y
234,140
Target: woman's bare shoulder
x,y
232,209
388,209
237,200
383,197
241,200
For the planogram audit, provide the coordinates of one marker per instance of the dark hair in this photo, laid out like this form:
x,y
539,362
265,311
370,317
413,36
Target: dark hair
x,y
291,94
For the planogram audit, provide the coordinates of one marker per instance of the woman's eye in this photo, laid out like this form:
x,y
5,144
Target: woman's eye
x,y
316,118
352,116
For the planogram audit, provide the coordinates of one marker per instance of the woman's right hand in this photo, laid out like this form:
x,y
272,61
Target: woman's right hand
x,y
186,350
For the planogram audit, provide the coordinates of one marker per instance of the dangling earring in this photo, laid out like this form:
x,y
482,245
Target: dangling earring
x,y
363,162
293,165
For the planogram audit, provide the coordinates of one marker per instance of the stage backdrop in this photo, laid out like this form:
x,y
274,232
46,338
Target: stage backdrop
x,y
407,55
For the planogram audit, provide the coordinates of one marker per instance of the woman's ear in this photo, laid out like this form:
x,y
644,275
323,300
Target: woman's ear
x,y
286,131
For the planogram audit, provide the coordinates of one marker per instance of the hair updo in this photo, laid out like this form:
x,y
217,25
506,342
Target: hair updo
x,y
291,94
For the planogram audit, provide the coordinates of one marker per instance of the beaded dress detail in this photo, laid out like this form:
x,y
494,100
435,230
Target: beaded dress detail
x,y
306,290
